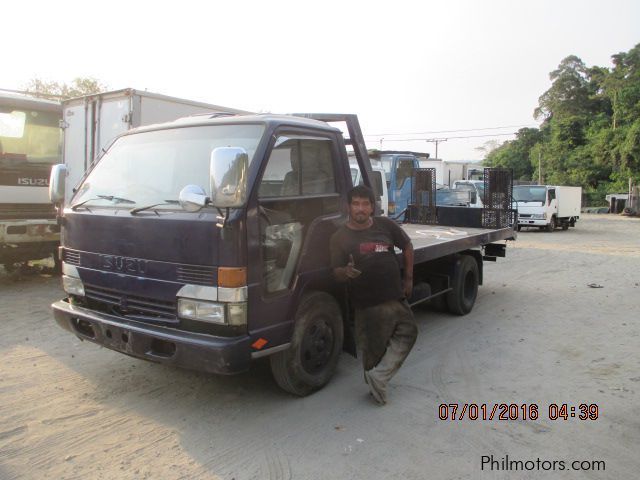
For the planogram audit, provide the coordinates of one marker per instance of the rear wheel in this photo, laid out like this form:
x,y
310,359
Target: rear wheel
x,y
465,282
312,358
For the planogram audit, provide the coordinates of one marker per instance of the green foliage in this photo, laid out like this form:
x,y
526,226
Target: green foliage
x,y
590,131
79,87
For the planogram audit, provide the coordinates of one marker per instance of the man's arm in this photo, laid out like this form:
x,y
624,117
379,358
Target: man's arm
x,y
407,255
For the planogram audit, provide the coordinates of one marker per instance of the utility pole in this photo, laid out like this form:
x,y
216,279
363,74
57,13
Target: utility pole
x,y
436,141
539,167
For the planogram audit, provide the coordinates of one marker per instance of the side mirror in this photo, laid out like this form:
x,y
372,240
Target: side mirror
x,y
192,198
56,183
228,176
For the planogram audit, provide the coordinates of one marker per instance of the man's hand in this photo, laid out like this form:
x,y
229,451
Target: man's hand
x,y
350,270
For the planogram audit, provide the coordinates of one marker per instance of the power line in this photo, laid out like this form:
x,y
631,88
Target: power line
x,y
450,131
447,138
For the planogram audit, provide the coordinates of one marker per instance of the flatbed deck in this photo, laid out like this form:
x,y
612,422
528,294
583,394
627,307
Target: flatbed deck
x,y
434,241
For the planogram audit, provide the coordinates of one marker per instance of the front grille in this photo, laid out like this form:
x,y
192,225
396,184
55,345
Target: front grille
x,y
196,275
131,306
23,211
524,215
71,257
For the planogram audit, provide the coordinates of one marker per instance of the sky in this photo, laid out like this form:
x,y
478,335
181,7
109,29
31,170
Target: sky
x,y
410,70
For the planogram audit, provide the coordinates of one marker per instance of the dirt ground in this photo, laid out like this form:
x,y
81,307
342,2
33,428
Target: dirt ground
x,y
539,334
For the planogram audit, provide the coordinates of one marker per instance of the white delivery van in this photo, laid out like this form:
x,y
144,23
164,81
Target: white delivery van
x,y
546,206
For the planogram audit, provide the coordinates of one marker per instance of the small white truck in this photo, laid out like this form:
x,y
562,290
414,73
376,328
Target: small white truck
x,y
546,206
476,189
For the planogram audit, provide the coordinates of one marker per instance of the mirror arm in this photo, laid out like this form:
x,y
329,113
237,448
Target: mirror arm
x,y
222,217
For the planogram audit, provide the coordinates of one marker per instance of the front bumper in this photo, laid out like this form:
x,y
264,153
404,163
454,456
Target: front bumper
x,y
529,222
194,351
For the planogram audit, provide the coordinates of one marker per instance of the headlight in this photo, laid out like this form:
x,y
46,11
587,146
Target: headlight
x,y
72,285
203,311
539,216
237,313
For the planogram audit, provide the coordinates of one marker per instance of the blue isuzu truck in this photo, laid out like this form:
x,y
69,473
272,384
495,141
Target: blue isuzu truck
x,y
203,243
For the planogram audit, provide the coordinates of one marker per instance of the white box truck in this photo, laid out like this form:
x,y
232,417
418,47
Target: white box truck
x,y
92,122
30,143
546,206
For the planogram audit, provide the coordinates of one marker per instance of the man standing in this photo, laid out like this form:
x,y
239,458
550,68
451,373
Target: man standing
x,y
362,254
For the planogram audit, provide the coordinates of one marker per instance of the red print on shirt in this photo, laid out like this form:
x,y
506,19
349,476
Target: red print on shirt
x,y
374,247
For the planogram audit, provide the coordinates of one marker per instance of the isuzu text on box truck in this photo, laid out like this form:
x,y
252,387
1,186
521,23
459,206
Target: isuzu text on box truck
x,y
203,243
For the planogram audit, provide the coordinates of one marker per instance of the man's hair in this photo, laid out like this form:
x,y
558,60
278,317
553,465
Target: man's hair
x,y
361,191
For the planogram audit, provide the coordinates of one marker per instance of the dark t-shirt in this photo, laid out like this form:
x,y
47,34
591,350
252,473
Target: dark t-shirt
x,y
373,254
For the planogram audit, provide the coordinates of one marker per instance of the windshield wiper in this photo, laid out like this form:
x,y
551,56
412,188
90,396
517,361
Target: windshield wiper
x,y
111,198
133,211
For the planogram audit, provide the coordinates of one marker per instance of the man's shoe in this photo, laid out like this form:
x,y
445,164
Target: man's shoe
x,y
378,394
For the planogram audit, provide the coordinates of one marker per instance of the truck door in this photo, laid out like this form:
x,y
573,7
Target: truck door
x,y
400,186
552,202
297,202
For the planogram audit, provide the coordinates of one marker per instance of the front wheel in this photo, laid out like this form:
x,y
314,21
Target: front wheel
x,y
551,226
311,360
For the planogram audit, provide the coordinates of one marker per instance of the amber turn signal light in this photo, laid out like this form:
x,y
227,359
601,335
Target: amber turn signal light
x,y
232,277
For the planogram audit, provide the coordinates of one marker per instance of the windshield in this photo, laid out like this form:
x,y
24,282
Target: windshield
x,y
29,136
152,167
530,194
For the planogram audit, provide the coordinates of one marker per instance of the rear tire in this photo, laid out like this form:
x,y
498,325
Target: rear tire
x,y
465,286
311,360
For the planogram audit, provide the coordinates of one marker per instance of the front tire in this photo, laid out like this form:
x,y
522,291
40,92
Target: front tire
x,y
465,286
311,360
551,226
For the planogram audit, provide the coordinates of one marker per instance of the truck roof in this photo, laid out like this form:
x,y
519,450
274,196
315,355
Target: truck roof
x,y
130,92
27,101
268,119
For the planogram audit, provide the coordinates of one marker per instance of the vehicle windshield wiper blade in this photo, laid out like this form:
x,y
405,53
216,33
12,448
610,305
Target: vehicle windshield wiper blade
x,y
111,198
133,211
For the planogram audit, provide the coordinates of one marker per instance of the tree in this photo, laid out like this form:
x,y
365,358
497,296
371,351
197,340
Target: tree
x,y
487,147
80,86
569,92
515,153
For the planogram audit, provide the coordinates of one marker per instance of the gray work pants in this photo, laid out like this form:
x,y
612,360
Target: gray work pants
x,y
385,334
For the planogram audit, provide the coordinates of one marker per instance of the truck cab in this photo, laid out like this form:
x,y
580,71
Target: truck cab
x,y
399,168
476,189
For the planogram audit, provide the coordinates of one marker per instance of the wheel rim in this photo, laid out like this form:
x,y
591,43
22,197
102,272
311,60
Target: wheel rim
x,y
317,346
